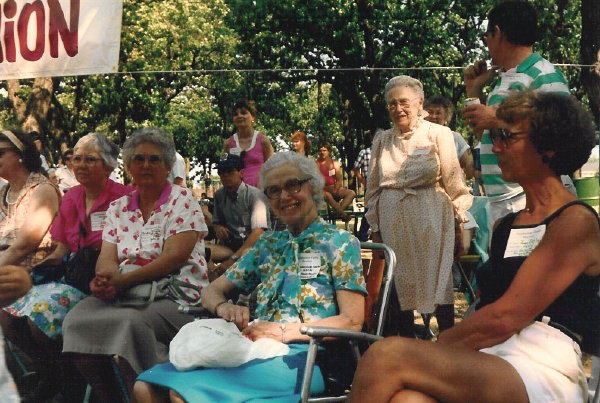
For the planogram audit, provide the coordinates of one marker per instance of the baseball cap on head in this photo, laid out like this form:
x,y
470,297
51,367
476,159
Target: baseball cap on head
x,y
230,162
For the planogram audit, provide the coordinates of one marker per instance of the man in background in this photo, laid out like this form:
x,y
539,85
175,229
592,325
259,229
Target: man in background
x,y
240,213
511,33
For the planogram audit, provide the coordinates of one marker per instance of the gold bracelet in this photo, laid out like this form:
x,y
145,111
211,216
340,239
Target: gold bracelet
x,y
282,327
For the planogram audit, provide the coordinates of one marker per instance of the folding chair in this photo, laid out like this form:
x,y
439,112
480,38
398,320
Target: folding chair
x,y
376,325
594,382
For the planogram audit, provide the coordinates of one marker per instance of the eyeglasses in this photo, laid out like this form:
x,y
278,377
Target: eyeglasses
x,y
403,103
87,160
484,36
153,159
291,186
4,150
504,136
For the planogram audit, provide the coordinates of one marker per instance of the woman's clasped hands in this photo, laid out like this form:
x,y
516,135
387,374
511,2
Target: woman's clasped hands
x,y
103,286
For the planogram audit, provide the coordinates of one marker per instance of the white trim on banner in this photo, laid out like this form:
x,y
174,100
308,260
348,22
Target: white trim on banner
x,y
43,38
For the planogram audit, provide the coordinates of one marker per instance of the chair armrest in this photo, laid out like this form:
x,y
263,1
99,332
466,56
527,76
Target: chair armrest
x,y
197,311
322,331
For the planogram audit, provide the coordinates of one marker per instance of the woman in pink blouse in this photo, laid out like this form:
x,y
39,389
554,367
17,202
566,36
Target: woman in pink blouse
x,y
255,145
158,230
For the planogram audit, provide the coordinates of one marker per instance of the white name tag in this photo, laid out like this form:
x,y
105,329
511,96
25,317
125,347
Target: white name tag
x,y
150,234
522,241
310,265
421,150
98,220
332,172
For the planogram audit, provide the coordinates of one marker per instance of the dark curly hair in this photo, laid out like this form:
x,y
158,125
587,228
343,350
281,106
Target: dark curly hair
x,y
250,106
29,154
558,123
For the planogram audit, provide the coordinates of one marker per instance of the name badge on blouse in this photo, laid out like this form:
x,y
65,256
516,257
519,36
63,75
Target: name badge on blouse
x,y
421,150
150,234
332,172
310,265
97,220
522,241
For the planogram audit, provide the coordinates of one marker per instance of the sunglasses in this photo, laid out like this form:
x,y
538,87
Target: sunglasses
x,y
153,159
291,186
4,150
87,160
504,136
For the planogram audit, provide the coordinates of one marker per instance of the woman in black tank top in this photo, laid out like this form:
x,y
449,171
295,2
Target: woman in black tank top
x,y
539,290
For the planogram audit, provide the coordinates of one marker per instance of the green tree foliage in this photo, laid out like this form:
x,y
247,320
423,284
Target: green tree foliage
x,y
369,35
383,38
179,37
288,56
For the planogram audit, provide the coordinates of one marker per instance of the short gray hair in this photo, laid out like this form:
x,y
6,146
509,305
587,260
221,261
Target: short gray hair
x,y
306,165
154,136
98,142
404,81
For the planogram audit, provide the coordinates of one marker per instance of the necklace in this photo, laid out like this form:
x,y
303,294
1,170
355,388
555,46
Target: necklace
x,y
8,202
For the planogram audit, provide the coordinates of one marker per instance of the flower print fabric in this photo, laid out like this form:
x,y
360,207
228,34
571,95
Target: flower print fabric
x,y
140,242
287,290
47,305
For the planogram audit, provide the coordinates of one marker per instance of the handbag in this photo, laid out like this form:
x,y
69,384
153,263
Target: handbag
x,y
44,272
80,269
142,295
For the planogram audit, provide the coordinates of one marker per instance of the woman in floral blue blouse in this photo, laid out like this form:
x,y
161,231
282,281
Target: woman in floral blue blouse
x,y
291,291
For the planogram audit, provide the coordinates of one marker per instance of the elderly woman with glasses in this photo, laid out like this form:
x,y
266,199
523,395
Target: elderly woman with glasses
x,y
151,236
76,229
309,273
415,194
539,290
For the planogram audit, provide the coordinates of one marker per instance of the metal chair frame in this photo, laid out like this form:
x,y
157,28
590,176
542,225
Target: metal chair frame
x,y
318,333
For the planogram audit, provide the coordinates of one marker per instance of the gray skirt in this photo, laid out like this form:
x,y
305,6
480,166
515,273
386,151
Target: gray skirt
x,y
139,335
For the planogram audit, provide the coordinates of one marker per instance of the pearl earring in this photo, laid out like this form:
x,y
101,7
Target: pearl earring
x,y
21,160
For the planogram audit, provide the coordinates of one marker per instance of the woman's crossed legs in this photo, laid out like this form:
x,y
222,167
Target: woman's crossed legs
x,y
401,370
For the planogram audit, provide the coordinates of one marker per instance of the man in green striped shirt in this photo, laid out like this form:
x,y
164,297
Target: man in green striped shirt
x,y
510,36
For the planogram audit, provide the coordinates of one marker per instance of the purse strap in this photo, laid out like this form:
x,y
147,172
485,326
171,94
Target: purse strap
x,y
176,287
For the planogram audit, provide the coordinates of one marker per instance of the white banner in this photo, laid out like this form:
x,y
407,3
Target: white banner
x,y
42,38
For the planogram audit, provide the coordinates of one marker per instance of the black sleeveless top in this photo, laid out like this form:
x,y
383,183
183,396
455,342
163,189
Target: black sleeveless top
x,y
577,308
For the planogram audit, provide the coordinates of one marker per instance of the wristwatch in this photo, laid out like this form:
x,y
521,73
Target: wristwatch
x,y
234,257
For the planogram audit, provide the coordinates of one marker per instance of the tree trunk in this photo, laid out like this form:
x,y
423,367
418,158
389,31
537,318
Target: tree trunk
x,y
38,105
590,53
19,106
33,114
